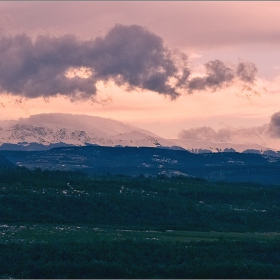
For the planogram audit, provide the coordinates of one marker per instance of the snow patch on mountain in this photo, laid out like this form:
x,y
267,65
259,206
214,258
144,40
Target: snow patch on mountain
x,y
49,129
57,129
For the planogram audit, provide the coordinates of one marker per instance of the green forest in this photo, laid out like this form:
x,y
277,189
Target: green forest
x,y
68,224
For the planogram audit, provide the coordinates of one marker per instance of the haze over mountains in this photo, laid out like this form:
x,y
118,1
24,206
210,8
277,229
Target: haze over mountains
x,y
49,130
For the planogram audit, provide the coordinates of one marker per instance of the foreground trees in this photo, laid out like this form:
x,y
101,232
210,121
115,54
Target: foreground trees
x,y
136,259
52,198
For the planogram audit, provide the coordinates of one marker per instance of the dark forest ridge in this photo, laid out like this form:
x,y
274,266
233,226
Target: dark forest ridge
x,y
132,161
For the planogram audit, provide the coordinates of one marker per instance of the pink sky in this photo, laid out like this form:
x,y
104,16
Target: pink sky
x,y
228,31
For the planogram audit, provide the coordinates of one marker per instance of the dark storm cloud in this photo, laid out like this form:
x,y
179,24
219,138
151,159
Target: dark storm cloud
x,y
33,69
131,56
274,125
218,75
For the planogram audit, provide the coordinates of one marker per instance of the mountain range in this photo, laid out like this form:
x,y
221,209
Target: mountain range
x,y
99,146
50,130
45,131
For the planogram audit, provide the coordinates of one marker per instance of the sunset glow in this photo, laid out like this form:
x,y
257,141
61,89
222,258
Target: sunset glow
x,y
210,64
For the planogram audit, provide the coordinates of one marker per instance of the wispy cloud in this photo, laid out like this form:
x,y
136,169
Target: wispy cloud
x,y
227,134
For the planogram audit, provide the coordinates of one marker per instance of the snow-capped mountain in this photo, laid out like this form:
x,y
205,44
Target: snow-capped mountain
x,y
47,129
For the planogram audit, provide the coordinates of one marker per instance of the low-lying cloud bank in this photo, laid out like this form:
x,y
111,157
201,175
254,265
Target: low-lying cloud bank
x,y
257,134
131,56
274,126
228,134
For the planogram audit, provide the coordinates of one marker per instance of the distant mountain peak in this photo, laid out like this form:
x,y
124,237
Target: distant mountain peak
x,y
78,130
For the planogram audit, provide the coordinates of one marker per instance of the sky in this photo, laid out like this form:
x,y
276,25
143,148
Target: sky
x,y
163,66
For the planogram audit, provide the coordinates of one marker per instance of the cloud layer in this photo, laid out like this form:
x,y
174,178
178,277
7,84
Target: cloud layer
x,y
218,75
131,56
274,125
258,134
228,134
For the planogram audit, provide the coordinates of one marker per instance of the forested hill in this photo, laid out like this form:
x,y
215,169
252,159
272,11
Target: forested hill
x,y
4,162
132,161
154,203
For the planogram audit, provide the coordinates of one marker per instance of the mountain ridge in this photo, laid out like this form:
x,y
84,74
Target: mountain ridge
x,y
151,161
45,131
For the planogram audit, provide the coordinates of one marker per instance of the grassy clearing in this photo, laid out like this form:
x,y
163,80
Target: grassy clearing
x,y
66,233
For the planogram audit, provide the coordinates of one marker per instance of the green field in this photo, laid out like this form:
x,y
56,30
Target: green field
x,y
62,233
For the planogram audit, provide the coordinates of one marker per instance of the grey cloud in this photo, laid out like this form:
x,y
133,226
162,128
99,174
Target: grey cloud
x,y
33,69
131,56
200,133
246,71
228,134
206,133
274,125
218,75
